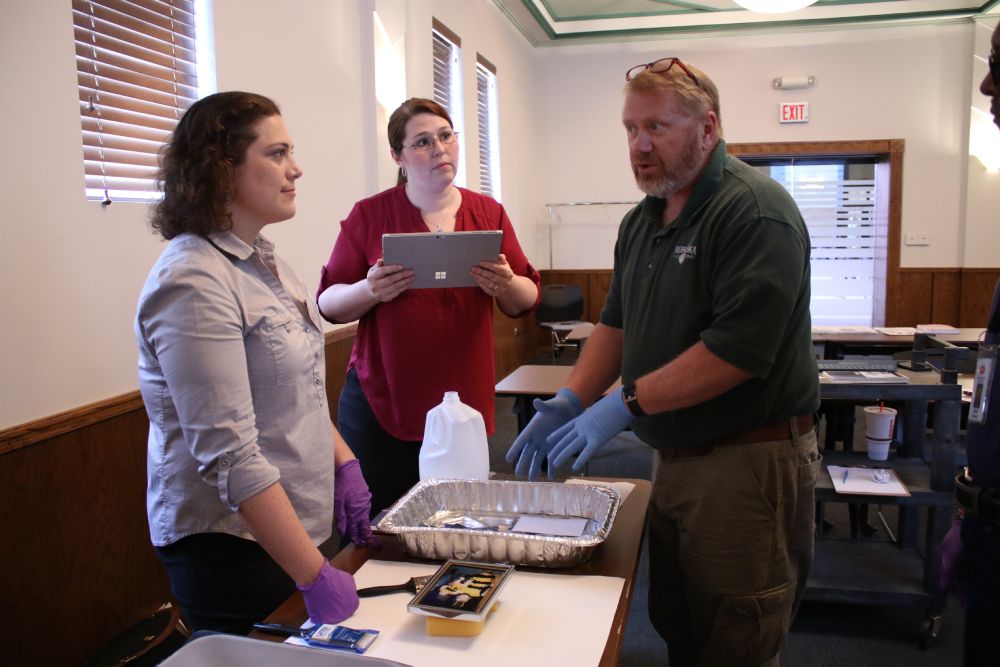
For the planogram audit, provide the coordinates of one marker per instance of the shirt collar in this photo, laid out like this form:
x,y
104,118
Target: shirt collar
x,y
231,244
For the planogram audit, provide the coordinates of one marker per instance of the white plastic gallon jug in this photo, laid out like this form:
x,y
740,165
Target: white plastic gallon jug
x,y
454,444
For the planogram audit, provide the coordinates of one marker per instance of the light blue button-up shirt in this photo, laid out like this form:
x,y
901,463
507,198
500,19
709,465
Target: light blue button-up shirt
x,y
231,370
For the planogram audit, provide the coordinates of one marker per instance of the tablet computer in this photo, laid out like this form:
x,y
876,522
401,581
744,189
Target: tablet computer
x,y
441,259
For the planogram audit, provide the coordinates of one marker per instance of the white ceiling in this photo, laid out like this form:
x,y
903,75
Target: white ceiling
x,y
551,22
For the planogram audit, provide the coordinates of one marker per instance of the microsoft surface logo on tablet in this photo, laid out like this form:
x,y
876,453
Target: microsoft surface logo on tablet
x,y
440,275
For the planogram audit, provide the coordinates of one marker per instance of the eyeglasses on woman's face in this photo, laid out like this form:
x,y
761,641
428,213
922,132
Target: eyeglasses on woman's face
x,y
426,142
661,66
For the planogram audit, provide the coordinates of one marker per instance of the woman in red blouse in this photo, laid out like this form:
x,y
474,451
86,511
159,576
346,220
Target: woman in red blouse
x,y
413,345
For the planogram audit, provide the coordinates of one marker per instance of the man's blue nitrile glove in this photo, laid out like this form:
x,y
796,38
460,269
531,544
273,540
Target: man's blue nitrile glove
x,y
531,446
601,422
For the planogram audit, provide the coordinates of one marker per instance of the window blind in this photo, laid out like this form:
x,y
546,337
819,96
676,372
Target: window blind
x,y
445,57
136,71
447,64
485,137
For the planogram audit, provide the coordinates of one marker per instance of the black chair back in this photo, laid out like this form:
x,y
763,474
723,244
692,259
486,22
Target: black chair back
x,y
560,303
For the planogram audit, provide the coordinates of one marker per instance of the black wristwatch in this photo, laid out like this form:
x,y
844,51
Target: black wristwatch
x,y
631,402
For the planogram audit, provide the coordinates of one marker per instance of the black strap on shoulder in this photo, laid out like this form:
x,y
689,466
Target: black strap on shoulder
x,y
227,254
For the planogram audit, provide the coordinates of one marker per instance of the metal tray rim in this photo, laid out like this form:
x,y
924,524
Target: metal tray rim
x,y
614,496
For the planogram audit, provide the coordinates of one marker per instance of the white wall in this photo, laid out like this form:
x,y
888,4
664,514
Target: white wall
x,y
72,270
904,82
309,58
483,29
981,233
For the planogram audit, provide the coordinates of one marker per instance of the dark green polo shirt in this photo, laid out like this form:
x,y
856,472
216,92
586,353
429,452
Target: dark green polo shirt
x,y
733,271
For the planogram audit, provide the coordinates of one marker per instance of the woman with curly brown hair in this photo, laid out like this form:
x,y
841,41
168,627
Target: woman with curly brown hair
x,y
245,470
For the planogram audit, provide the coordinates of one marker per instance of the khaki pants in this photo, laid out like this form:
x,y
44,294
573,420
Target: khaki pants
x,y
731,543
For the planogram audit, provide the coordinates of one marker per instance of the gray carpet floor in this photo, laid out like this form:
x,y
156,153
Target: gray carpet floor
x,y
822,635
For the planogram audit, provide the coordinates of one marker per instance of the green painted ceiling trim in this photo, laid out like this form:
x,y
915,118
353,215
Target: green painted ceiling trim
x,y
530,6
686,9
732,27
689,5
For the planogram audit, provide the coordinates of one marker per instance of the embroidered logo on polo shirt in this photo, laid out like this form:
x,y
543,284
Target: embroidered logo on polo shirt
x,y
683,253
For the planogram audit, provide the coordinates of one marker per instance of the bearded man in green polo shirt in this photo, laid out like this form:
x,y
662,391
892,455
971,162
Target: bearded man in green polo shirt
x,y
707,323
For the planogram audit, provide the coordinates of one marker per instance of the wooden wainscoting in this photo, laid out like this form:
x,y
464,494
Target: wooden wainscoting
x,y
75,553
977,296
76,550
961,297
943,295
514,342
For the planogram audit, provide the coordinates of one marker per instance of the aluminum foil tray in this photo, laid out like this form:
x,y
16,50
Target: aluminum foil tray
x,y
471,520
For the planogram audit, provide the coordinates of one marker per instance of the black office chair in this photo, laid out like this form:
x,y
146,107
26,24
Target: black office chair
x,y
560,311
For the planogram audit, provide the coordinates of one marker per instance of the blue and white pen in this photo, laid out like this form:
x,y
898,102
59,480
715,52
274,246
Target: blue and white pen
x,y
846,471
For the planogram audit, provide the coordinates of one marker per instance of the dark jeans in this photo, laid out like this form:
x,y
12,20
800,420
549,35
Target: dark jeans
x,y
390,465
982,615
224,583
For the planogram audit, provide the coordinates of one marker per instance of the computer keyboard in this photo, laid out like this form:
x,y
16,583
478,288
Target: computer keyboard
x,y
856,364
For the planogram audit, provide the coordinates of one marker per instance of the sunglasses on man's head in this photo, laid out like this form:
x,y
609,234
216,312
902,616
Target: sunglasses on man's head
x,y
661,66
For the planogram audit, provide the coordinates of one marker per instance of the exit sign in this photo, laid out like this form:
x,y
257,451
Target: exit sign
x,y
793,112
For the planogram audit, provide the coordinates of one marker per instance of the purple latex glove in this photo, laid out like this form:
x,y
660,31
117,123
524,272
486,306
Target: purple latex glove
x,y
952,578
352,504
332,597
585,434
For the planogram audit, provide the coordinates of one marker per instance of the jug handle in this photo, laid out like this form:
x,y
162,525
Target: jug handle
x,y
434,418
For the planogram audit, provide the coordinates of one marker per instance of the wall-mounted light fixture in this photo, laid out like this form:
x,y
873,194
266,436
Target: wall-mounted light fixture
x,y
792,82
773,6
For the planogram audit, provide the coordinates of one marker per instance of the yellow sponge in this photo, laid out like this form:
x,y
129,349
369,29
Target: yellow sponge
x,y
449,627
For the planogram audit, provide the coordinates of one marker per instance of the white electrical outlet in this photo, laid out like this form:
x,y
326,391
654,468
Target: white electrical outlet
x,y
918,238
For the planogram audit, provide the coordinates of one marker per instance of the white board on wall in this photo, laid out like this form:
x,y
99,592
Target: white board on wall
x,y
582,235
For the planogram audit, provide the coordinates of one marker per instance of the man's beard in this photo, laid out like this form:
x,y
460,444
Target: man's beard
x,y
676,176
